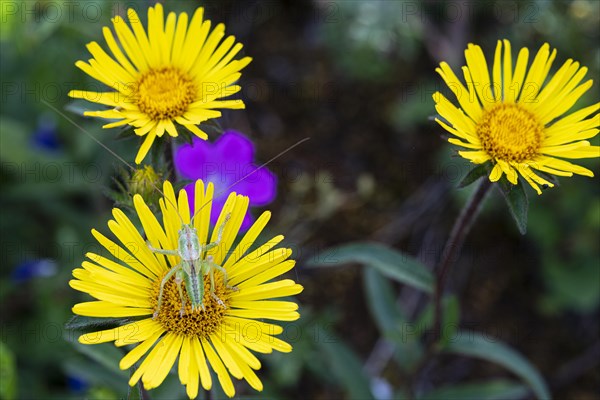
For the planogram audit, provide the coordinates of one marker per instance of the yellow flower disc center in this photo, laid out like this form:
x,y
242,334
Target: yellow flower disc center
x,y
200,323
164,93
509,132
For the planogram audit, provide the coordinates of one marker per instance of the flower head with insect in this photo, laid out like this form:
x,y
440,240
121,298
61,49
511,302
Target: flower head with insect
x,y
193,295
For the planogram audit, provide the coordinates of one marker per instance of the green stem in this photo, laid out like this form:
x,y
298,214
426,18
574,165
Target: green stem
x,y
453,246
144,395
142,392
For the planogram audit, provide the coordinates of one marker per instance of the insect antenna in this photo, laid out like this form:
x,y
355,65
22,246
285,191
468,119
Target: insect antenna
x,y
132,168
118,157
298,143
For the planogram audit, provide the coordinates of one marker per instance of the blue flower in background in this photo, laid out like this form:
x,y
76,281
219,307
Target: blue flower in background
x,y
77,384
226,161
45,136
40,268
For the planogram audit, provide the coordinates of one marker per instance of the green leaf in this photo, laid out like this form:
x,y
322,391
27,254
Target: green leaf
x,y
391,322
517,201
391,263
105,354
90,324
186,136
450,319
549,177
346,367
212,127
474,174
381,301
476,345
126,133
8,373
96,375
499,389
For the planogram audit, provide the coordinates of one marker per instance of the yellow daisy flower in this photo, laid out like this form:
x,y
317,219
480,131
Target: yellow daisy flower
x,y
515,121
220,336
178,72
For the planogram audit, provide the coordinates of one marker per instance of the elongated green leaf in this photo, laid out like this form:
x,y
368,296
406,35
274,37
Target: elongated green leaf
x,y
391,263
105,354
450,319
8,373
96,375
391,322
517,202
346,367
381,301
474,174
549,177
476,345
500,389
90,324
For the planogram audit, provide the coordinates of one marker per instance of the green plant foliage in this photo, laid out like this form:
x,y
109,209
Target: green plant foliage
x,y
481,170
105,354
450,319
381,301
8,373
346,367
477,345
499,389
517,202
363,36
79,324
391,263
569,252
391,322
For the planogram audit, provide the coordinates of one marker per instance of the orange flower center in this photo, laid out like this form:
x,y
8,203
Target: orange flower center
x,y
199,323
509,132
164,93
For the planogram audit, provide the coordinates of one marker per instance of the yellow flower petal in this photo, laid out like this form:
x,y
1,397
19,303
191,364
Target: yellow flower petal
x,y
108,310
201,365
134,355
221,335
522,125
168,71
219,368
496,173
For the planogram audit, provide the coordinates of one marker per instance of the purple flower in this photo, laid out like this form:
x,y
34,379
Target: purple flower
x,y
225,162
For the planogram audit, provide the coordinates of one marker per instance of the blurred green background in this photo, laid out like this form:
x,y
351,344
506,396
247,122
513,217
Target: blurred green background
x,y
357,78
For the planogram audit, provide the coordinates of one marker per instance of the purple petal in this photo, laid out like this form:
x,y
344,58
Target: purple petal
x,y
247,222
217,207
224,163
260,187
191,194
234,147
191,160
